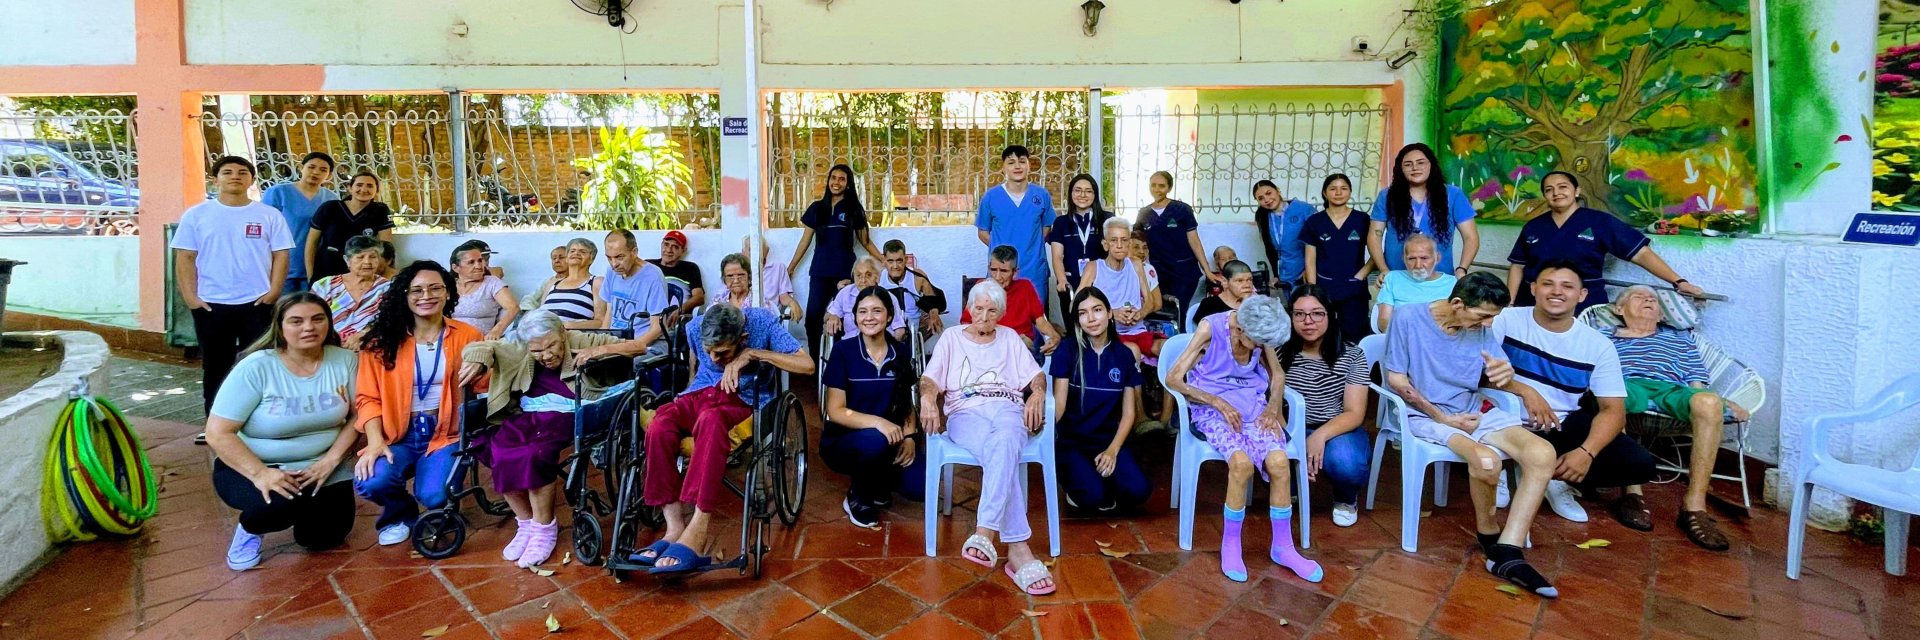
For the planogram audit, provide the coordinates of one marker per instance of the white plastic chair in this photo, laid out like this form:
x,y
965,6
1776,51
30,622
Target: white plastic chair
x,y
1190,451
1897,492
1415,454
942,453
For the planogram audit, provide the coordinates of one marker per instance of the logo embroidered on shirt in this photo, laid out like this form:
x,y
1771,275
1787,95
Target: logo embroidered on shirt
x,y
1533,239
256,230
1353,236
1325,237
1113,374
1586,235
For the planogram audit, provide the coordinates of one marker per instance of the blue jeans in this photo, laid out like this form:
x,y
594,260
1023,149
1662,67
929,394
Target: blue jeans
x,y
1126,488
865,456
430,471
294,285
1346,460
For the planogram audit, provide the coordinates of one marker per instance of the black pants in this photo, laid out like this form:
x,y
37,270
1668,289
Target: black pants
x,y
1065,298
1623,462
1352,315
820,293
320,520
223,331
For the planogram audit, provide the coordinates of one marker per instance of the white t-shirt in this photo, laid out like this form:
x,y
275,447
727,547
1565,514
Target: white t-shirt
x,y
974,374
234,248
1561,366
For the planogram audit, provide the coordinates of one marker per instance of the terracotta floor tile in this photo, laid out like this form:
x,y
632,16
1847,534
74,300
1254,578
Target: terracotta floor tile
x,y
601,592
192,582
1112,621
508,591
1176,604
840,540
1085,579
932,580
529,620
1391,598
1482,594
1286,600
653,615
818,627
1413,572
1349,620
1132,579
877,609
1463,621
1022,628
880,567
357,581
986,605
1063,621
1672,614
209,619
829,581
934,625
1574,618
1246,622
322,621
766,612
400,596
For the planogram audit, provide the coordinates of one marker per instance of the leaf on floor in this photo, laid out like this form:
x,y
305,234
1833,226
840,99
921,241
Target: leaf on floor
x,y
1033,614
544,573
1111,553
1723,614
546,603
1113,525
1509,590
1424,514
1284,622
1593,544
1049,562
414,555
553,624
435,632
566,559
1103,544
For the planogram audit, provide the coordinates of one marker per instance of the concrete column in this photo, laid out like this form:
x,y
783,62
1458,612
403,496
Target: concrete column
x,y
173,176
737,100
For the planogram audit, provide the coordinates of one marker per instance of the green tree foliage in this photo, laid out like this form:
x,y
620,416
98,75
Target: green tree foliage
x,y
639,181
1566,82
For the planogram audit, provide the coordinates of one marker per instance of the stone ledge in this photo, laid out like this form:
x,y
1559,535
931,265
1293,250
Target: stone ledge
x,y
26,425
120,339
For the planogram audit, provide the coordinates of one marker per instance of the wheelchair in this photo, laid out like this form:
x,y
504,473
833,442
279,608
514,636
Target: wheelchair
x,y
616,451
439,533
770,447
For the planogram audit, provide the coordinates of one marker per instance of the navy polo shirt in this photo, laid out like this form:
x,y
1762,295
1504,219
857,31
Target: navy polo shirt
x,y
833,229
1339,251
1079,239
1096,383
1588,237
871,386
1167,235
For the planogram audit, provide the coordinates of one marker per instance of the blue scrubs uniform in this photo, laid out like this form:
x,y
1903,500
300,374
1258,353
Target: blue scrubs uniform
x,y
1021,225
1097,382
881,388
1459,209
1339,252
1588,237
1168,251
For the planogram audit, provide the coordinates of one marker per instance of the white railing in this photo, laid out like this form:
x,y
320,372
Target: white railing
x,y
68,171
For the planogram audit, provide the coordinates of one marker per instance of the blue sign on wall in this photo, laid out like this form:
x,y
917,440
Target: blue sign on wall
x,y
733,126
1897,229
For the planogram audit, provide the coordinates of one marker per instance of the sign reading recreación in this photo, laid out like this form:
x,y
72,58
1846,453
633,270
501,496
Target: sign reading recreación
x,y
1900,230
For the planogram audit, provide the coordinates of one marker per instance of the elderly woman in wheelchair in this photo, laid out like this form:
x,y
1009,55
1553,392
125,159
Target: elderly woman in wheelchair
x,y
531,395
726,342
983,369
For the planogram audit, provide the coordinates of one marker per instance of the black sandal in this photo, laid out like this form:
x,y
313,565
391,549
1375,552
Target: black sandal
x,y
1702,530
1631,511
1506,562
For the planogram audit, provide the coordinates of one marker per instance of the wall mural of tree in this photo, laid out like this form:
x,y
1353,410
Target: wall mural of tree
x,y
1648,103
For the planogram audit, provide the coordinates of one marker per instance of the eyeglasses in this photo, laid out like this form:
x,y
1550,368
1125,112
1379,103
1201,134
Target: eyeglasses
x,y
433,291
1310,315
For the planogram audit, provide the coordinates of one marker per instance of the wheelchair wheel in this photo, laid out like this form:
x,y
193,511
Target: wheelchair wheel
x,y
587,543
756,497
790,460
439,534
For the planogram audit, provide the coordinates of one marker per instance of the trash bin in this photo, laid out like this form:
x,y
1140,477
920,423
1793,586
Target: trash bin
x,y
6,277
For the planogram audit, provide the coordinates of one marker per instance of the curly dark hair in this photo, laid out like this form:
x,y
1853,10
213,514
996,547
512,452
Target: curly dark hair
x,y
1399,202
393,321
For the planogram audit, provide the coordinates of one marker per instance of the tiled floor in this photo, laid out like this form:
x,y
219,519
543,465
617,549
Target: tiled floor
x,y
827,579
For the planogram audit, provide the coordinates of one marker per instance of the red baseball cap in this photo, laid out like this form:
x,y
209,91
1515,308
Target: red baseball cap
x,y
677,238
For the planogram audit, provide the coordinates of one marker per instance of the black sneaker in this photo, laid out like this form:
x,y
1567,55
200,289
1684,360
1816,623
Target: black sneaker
x,y
859,513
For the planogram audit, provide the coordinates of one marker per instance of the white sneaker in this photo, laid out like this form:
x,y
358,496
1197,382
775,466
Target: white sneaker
x,y
1501,497
244,552
395,533
1560,497
1345,515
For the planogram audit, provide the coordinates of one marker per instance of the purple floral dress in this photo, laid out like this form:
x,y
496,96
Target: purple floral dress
x,y
1242,385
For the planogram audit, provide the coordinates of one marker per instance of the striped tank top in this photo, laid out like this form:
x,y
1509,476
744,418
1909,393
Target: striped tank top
x,y
571,304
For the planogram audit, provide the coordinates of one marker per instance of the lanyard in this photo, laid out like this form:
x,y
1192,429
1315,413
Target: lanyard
x,y
1084,231
422,385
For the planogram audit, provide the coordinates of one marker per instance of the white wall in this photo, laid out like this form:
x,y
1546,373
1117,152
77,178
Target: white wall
x,y
26,425
69,32
81,277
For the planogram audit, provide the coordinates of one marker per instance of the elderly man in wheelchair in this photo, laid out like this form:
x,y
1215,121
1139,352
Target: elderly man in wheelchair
x,y
726,343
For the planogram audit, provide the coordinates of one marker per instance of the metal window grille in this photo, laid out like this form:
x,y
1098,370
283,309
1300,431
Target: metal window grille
x,y
68,171
1216,154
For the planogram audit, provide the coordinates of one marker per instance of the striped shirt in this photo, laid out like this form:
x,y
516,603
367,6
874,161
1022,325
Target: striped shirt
x,y
350,316
1668,355
1325,387
571,304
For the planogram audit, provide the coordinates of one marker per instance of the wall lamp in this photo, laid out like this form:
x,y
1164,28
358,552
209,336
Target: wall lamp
x,y
1092,7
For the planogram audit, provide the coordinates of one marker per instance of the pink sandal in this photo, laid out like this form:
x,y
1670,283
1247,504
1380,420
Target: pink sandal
x,y
1031,574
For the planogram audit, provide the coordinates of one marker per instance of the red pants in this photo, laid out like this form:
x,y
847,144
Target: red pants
x,y
707,414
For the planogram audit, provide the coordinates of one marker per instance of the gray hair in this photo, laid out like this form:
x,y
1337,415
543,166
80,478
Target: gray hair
x,y
990,291
1265,320
1120,222
363,243
869,263
537,324
722,323
1620,297
1420,238
593,251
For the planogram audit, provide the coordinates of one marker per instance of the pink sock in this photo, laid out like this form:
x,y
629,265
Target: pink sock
x,y
1283,552
1230,560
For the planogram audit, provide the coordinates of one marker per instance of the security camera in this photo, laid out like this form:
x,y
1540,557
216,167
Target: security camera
x,y
1360,45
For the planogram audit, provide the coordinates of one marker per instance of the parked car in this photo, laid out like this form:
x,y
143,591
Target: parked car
x,y
44,188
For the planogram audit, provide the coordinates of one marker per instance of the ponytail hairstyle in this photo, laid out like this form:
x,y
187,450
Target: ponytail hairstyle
x,y
1400,198
1257,207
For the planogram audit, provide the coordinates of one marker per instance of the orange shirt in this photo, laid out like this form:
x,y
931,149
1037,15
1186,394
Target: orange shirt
x,y
387,394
